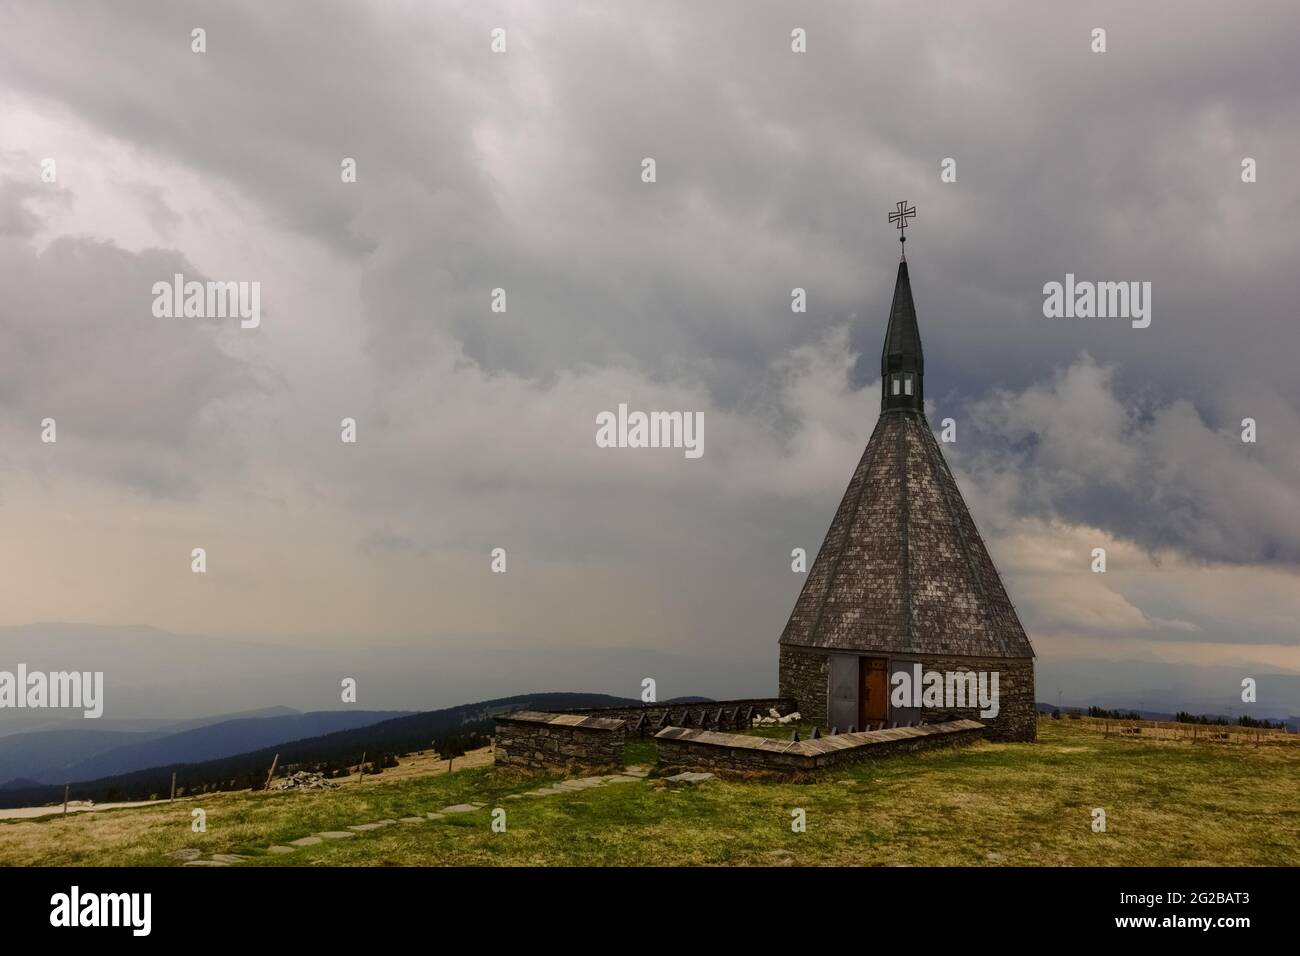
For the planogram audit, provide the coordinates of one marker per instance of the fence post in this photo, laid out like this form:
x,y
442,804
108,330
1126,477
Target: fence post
x,y
361,767
66,787
172,798
274,761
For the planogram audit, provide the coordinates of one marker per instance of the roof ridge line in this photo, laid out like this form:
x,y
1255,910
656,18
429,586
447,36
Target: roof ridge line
x,y
906,507
997,572
937,461
839,550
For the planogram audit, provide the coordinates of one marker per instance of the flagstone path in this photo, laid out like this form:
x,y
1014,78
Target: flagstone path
x,y
191,856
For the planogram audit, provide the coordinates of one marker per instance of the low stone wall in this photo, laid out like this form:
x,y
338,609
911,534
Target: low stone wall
x,y
698,714
531,740
687,749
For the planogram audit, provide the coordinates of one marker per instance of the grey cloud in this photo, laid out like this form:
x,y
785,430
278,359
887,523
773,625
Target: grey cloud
x,y
384,541
1167,477
775,171
16,219
23,196
131,394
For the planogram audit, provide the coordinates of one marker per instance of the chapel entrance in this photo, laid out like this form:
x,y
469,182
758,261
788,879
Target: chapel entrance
x,y
873,702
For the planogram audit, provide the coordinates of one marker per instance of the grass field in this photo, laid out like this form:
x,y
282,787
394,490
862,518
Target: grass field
x,y
1167,803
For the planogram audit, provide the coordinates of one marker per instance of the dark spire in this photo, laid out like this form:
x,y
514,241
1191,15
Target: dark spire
x,y
902,365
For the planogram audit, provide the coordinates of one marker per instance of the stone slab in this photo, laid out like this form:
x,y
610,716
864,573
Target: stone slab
x,y
562,720
690,776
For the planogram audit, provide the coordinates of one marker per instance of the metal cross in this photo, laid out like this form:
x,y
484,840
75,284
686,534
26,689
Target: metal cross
x,y
900,216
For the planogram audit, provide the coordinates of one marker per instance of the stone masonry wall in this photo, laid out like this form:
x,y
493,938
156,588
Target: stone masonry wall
x,y
687,749
1016,719
530,740
805,675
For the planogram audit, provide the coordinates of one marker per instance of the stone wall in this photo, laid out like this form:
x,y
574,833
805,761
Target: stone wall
x,y
805,676
687,749
530,740
1016,719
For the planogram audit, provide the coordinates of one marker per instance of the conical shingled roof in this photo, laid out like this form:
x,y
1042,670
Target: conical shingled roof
x,y
903,569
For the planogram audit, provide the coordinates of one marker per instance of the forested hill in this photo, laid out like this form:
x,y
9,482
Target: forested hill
x,y
451,731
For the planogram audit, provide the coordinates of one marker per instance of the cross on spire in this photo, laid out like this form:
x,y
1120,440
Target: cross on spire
x,y
903,213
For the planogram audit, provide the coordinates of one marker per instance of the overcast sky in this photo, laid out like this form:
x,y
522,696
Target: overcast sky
x,y
522,170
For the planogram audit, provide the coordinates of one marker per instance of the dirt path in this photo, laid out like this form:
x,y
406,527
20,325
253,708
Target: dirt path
x,y
74,806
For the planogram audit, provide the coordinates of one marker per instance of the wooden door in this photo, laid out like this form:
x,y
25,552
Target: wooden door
x,y
873,702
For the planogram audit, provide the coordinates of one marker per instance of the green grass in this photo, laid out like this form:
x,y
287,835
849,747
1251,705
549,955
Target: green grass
x,y
638,752
1004,804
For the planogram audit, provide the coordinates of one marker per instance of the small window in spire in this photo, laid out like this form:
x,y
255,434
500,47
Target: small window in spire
x,y
907,385
896,385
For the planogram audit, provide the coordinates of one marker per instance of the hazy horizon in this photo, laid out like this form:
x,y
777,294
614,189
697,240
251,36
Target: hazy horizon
x,y
158,675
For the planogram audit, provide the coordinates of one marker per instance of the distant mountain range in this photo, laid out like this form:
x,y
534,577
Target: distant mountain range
x,y
155,681
234,751
395,735
1163,687
59,756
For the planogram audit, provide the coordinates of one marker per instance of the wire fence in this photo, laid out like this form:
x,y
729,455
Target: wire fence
x,y
1195,733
